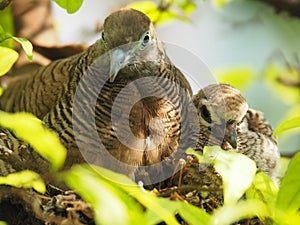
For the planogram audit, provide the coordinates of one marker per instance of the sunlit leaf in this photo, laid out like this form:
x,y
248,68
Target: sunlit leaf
x,y
3,223
289,193
156,15
191,151
144,197
110,203
170,15
192,214
284,163
26,45
7,58
121,186
6,23
187,6
240,77
221,3
147,7
24,179
70,5
263,188
287,125
31,130
229,214
272,73
189,213
237,171
284,217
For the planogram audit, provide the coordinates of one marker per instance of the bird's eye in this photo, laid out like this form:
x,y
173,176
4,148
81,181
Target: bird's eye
x,y
145,38
205,114
102,36
231,122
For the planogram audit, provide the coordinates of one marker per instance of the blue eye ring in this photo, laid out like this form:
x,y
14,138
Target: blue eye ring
x,y
146,38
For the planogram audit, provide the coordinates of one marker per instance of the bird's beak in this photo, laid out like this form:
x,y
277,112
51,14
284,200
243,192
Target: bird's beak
x,y
230,135
118,59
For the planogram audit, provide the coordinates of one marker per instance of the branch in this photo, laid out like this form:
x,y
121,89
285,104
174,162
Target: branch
x,y
289,6
4,4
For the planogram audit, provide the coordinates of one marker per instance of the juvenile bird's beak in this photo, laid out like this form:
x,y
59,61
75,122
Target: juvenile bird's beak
x,y
230,135
118,59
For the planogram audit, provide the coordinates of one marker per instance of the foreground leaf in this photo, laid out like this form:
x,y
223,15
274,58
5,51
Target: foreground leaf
x,y
71,6
7,58
287,125
30,129
289,193
110,204
189,213
237,171
263,188
147,199
24,179
192,214
26,45
120,191
241,210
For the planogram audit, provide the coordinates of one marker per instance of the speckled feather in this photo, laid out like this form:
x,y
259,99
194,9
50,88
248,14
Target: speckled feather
x,y
254,137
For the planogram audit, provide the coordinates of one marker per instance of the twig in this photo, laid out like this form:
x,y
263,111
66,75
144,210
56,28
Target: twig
x,y
4,4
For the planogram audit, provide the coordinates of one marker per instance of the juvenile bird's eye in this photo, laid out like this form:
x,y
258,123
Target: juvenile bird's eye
x,y
205,114
145,38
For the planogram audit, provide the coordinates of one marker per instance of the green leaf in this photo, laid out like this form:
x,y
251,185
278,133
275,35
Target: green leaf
x,y
153,11
229,214
237,171
121,186
289,193
263,188
273,72
147,7
26,45
192,214
191,151
187,6
31,130
24,179
7,58
110,203
287,125
6,22
240,77
3,223
71,6
221,3
147,199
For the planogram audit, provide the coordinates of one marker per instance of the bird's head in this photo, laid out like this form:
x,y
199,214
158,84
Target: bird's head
x,y
221,108
129,38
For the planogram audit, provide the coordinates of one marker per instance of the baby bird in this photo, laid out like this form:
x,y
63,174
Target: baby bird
x,y
225,120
